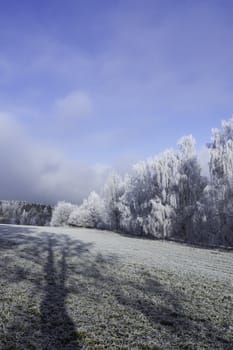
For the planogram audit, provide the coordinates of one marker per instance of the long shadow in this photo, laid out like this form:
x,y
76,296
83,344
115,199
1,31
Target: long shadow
x,y
57,328
48,325
165,309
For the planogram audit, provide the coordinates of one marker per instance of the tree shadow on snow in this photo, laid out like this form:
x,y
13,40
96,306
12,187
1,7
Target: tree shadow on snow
x,y
174,327
44,324
57,329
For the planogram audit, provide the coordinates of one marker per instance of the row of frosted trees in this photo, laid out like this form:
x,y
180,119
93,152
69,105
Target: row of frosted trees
x,y
24,213
166,197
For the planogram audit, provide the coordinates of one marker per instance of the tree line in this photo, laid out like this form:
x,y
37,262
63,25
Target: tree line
x,y
167,196
24,213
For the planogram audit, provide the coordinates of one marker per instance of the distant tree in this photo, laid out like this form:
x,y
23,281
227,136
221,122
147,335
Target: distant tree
x,y
24,213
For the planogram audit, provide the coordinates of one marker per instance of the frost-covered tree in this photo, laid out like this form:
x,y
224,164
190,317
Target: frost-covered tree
x,y
133,203
221,186
90,213
166,196
112,193
161,196
221,156
190,188
24,213
147,204
61,213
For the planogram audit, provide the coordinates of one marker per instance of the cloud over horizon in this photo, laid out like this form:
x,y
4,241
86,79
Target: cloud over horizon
x,y
36,172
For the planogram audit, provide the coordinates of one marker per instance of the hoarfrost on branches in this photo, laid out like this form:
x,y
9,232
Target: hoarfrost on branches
x,y
166,196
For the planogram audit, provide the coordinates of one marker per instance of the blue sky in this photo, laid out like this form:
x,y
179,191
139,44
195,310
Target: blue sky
x,y
106,83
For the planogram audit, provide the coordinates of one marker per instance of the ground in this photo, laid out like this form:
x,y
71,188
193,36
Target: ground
x,y
67,288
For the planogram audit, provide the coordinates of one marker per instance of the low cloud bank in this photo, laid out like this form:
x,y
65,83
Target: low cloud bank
x,y
36,172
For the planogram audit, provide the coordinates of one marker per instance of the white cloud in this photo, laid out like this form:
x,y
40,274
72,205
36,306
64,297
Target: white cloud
x,y
75,105
36,172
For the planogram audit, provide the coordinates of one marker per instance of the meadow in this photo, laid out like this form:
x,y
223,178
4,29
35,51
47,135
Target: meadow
x,y
70,288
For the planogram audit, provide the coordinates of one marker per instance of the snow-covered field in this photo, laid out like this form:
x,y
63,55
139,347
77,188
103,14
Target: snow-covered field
x,y
66,288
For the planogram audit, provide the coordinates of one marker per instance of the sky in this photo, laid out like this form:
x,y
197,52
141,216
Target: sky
x,y
87,86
